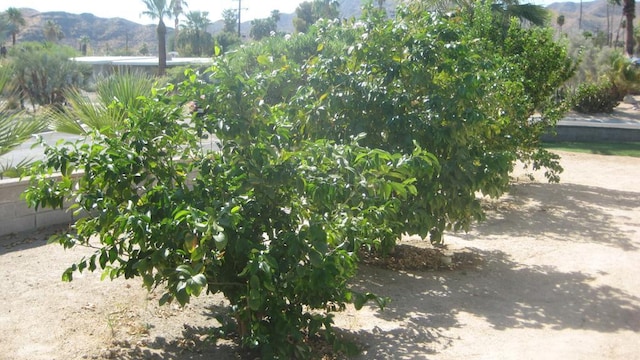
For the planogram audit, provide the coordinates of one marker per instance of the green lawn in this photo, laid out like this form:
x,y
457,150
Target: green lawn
x,y
620,149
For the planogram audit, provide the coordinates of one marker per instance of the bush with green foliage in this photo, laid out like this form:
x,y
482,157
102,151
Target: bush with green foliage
x,y
42,72
591,98
389,126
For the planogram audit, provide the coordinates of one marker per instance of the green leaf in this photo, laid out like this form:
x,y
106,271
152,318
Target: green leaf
x,y
165,299
263,60
255,297
220,240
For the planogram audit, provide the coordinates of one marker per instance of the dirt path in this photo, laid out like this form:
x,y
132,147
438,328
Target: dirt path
x,y
552,275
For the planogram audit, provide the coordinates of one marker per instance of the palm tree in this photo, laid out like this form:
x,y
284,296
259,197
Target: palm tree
x,y
84,43
629,11
560,22
177,9
197,22
158,9
84,114
15,127
16,20
52,31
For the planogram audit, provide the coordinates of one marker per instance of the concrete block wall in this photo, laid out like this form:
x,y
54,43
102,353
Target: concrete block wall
x,y
16,216
594,133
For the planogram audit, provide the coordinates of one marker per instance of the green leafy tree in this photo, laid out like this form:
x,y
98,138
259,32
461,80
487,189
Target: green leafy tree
x,y
226,40
307,13
268,220
429,94
159,9
261,28
230,18
16,20
343,138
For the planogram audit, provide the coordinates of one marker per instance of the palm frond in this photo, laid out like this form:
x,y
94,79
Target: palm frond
x,y
116,94
15,126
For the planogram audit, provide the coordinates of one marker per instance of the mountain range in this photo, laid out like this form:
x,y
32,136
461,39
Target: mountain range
x,y
113,36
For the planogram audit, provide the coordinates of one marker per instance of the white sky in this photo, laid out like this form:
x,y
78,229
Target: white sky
x,y
131,9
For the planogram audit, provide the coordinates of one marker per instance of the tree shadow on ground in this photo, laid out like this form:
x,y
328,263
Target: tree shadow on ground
x,y
564,212
193,344
28,239
499,291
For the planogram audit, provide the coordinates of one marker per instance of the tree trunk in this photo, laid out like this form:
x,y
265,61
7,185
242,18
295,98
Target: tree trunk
x,y
629,12
162,48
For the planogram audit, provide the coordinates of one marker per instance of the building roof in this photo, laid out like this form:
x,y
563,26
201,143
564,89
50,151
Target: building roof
x,y
140,60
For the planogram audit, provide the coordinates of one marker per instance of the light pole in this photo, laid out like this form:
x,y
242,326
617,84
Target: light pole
x,y
239,21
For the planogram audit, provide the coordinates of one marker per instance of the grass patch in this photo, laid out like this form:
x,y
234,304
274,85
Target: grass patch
x,y
618,149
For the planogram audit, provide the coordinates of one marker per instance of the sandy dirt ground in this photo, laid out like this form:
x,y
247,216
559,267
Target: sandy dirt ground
x,y
553,274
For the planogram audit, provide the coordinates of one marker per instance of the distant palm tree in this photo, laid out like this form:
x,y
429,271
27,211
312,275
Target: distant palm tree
x,y
52,31
158,9
84,43
16,20
560,22
197,22
177,9
629,11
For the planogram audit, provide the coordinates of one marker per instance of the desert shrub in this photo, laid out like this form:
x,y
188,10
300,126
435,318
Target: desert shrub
x,y
42,72
592,98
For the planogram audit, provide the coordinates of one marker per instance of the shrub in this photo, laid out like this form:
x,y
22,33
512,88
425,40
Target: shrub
x,y
42,72
593,98
379,128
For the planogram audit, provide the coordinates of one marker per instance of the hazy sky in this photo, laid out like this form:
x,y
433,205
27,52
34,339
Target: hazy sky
x,y
131,9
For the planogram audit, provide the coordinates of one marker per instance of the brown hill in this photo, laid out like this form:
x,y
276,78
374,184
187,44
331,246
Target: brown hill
x,y
107,36
594,17
116,36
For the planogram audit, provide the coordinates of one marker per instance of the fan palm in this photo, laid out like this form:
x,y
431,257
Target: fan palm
x,y
52,31
16,20
197,23
15,127
85,114
158,9
177,9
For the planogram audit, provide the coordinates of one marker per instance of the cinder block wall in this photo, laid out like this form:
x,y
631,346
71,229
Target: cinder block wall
x,y
16,216
594,133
